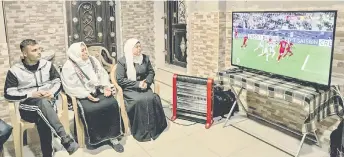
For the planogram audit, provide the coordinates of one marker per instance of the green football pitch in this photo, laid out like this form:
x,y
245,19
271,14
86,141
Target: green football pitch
x,y
310,63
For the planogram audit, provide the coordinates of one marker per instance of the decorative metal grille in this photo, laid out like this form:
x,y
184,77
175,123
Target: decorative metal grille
x,y
87,14
181,12
92,22
175,32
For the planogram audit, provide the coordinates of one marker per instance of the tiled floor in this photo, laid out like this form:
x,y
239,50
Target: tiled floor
x,y
196,141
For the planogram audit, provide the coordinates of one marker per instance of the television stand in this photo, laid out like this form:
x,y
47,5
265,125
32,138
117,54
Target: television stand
x,y
313,103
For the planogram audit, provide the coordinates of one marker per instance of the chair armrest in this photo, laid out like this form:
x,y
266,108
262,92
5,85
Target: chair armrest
x,y
108,54
96,51
75,106
120,100
64,106
63,112
13,112
113,75
78,123
156,87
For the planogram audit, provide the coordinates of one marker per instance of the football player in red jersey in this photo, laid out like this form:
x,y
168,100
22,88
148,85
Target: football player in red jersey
x,y
283,44
289,49
244,44
236,33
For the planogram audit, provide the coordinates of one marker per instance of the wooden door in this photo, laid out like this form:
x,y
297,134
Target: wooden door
x,y
93,22
175,33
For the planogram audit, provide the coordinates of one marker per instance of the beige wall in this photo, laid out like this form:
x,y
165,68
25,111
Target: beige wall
x,y
40,20
4,65
203,6
119,29
2,26
137,21
206,37
159,42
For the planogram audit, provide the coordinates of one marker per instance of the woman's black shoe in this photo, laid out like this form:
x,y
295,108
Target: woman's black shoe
x,y
118,147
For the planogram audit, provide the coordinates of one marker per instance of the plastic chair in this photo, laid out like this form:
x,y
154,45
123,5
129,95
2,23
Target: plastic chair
x,y
19,125
121,100
80,126
96,51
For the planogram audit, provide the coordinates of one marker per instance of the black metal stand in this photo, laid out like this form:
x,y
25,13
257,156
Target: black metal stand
x,y
237,101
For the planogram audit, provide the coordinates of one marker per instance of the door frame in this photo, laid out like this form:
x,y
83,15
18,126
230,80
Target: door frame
x,y
171,28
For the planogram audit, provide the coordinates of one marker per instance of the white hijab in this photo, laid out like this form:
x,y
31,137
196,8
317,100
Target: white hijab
x,y
70,80
131,59
74,53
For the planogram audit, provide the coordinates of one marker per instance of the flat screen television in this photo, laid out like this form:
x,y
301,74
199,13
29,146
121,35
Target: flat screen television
x,y
292,44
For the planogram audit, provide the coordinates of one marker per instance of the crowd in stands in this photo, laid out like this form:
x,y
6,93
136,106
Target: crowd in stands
x,y
285,21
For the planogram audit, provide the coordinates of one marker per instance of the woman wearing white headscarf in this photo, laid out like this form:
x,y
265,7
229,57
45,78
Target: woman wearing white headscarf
x,y
135,74
84,78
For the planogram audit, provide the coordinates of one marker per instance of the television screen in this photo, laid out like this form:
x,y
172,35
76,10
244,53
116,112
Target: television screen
x,y
293,44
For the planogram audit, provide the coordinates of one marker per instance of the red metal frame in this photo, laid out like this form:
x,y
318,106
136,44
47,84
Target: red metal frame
x,y
209,103
174,97
209,115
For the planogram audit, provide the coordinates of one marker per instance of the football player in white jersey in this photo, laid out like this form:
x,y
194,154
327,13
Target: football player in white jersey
x,y
268,48
272,45
261,45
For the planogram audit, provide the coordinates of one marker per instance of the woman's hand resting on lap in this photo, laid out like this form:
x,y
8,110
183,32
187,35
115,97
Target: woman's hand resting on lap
x,y
93,99
107,92
143,84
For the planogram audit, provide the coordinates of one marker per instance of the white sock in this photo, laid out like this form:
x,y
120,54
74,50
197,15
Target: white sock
x,y
114,141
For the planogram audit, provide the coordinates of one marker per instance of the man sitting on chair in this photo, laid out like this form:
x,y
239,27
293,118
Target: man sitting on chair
x,y
35,83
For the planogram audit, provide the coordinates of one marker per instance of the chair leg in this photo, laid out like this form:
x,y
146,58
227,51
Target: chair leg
x,y
18,140
65,122
83,135
25,139
26,134
2,154
125,119
80,132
